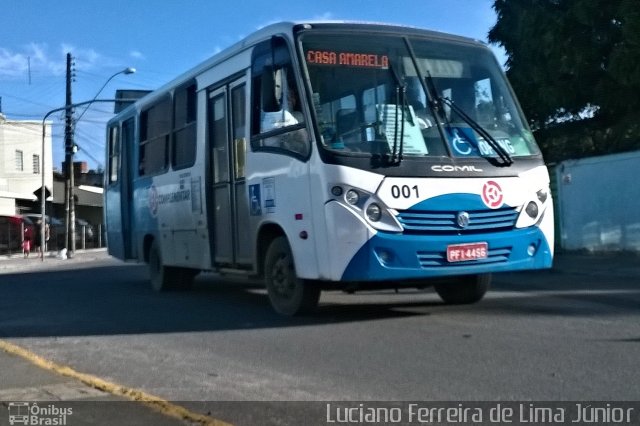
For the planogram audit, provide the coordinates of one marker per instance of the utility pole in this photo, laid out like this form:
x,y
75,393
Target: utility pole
x,y
69,148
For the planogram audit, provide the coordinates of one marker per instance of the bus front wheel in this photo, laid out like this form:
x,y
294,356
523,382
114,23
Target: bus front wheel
x,y
289,295
465,290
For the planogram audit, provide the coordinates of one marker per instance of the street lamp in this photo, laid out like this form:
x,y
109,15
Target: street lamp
x,y
44,132
128,70
70,148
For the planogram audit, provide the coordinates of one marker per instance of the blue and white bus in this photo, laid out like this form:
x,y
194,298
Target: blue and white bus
x,y
331,155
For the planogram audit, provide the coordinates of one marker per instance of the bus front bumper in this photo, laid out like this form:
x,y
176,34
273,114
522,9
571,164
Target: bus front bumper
x,y
388,256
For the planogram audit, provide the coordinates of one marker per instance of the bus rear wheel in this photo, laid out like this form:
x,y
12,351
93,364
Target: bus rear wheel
x,y
165,278
289,295
465,290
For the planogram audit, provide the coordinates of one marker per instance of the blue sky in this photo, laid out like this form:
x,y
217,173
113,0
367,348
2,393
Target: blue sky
x,y
162,39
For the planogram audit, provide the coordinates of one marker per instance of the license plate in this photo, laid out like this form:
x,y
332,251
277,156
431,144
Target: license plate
x,y
465,252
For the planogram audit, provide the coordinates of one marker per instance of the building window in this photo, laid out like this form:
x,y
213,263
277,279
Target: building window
x,y
36,164
19,162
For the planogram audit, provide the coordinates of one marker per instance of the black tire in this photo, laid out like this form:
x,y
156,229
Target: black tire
x,y
289,295
185,278
163,278
465,290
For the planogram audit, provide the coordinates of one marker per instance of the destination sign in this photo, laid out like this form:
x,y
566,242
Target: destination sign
x,y
347,59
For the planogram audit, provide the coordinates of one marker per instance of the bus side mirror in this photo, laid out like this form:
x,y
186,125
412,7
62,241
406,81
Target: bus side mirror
x,y
269,97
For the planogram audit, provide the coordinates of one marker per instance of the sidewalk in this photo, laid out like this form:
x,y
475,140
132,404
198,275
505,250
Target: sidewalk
x,y
51,260
50,398
59,395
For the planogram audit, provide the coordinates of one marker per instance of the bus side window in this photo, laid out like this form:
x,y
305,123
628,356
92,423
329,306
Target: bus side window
x,y
183,149
155,128
278,123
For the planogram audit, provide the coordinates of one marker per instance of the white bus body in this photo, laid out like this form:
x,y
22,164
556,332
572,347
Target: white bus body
x,y
331,156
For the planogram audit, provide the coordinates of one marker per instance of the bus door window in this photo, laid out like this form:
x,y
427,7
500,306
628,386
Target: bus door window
x,y
278,122
242,231
221,212
219,137
114,154
238,113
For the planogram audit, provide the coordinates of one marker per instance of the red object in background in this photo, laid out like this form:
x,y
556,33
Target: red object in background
x,y
13,231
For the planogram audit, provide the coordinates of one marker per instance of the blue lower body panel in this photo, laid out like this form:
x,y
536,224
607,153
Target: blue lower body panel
x,y
389,256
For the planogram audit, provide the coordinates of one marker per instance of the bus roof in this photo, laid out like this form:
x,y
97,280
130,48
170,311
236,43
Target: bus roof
x,y
286,27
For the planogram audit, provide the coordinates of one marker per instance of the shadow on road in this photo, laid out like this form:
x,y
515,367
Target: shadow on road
x,y
111,300
576,292
115,300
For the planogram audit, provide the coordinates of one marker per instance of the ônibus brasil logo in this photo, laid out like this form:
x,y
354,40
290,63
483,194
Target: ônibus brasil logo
x,y
26,413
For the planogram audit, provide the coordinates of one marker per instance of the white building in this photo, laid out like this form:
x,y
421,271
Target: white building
x,y
21,167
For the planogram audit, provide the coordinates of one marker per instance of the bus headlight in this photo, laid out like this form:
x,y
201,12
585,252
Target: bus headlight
x,y
352,197
374,212
543,194
532,210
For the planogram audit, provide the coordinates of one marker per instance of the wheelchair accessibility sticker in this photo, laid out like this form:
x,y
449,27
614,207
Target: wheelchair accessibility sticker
x,y
463,141
258,205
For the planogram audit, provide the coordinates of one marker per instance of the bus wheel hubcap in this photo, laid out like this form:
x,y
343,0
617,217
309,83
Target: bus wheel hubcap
x,y
281,277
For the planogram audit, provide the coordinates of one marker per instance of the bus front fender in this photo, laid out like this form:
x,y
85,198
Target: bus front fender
x,y
347,233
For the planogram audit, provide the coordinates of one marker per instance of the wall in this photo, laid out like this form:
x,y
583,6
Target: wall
x,y
599,203
25,136
7,206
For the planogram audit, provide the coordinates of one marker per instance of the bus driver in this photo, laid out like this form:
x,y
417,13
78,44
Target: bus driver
x,y
289,115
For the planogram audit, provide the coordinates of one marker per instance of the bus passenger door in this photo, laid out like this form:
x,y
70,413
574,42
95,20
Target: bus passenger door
x,y
127,189
227,203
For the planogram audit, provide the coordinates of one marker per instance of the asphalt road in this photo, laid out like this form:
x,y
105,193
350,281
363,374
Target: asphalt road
x,y
571,334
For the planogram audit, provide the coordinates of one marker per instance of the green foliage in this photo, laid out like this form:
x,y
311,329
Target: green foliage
x,y
575,65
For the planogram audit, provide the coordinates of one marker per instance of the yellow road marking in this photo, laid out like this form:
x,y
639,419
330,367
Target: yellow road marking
x,y
161,405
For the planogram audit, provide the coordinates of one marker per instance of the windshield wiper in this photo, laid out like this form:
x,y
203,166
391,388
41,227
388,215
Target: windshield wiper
x,y
401,90
437,102
493,143
432,95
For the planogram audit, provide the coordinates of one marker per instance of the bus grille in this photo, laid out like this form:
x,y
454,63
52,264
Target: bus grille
x,y
429,259
445,222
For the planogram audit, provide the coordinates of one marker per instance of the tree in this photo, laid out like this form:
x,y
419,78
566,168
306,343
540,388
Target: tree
x,y
575,65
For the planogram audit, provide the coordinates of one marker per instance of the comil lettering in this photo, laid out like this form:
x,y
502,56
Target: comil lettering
x,y
448,168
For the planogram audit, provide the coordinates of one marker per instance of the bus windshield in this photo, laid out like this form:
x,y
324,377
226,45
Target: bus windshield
x,y
401,97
